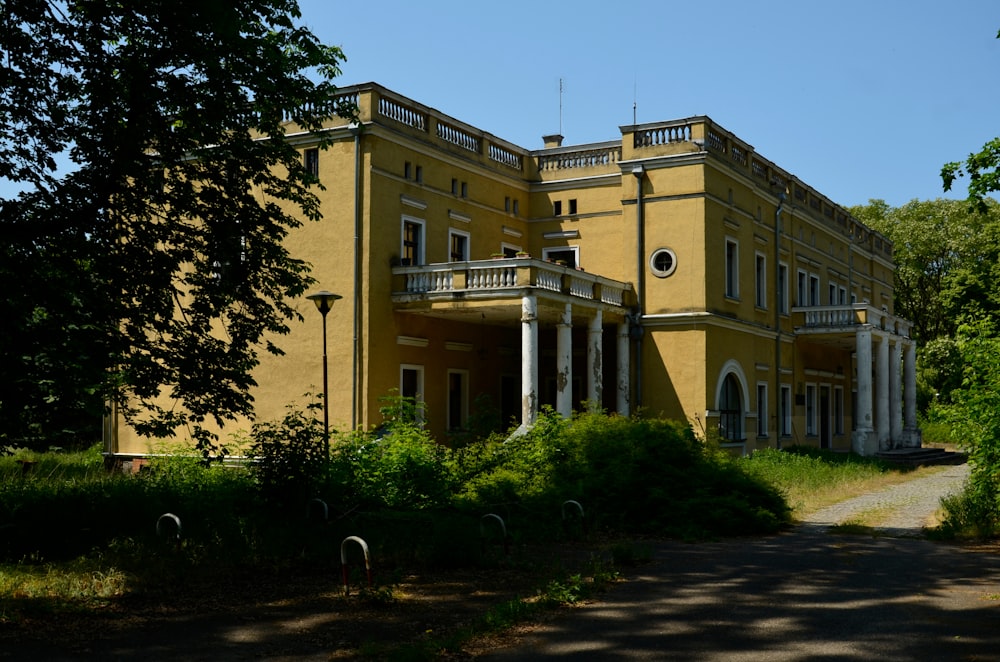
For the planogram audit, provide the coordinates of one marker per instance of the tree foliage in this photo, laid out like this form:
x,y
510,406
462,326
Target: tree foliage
x,y
947,260
982,168
147,140
974,413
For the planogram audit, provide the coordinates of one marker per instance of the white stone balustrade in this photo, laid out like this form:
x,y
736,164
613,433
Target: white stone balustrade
x,y
510,273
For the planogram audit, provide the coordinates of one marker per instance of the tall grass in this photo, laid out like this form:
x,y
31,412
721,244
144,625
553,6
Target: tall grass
x,y
811,479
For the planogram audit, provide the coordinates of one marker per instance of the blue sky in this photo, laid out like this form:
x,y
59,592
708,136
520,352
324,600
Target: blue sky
x,y
860,99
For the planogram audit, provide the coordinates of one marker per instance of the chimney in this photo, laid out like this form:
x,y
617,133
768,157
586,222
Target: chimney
x,y
554,140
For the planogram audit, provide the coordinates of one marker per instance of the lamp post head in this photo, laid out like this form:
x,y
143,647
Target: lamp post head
x,y
324,301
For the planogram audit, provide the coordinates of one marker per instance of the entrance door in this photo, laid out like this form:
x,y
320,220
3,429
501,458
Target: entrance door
x,y
824,417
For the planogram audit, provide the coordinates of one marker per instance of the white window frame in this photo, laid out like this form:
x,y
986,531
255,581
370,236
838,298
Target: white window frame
x,y
421,241
812,406
832,293
760,280
783,288
802,288
838,410
463,415
452,232
731,260
786,410
546,252
843,296
761,409
419,396
814,286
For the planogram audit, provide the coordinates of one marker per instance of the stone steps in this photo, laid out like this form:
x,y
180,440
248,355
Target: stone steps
x,y
918,457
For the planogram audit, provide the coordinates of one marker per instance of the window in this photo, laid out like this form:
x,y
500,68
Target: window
x,y
783,289
407,169
420,174
832,294
458,399
458,243
732,269
731,410
412,251
411,389
510,251
517,208
310,159
786,410
760,292
454,186
813,290
802,292
838,409
465,189
227,250
572,206
663,262
762,410
506,204
557,208
569,255
843,295
811,410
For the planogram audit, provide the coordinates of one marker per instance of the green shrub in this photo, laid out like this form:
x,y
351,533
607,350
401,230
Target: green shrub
x,y
289,460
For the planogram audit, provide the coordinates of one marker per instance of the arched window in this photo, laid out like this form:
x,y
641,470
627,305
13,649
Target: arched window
x,y
731,410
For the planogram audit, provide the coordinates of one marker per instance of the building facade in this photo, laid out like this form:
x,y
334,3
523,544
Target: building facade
x,y
672,271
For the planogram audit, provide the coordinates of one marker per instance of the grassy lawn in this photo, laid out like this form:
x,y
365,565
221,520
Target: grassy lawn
x,y
118,564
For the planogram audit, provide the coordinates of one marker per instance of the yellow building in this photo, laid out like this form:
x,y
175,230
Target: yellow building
x,y
672,270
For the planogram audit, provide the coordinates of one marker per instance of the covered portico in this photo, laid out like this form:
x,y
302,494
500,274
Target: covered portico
x,y
885,416
531,293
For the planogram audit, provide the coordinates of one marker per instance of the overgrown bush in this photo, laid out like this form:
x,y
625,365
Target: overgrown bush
x,y
289,458
974,415
633,475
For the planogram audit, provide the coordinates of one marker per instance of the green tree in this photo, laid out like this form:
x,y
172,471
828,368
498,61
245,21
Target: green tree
x,y
974,414
946,258
147,140
983,169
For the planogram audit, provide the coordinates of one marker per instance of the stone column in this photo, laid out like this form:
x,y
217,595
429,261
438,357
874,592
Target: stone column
x,y
595,361
911,432
863,433
564,363
882,392
529,360
622,372
896,394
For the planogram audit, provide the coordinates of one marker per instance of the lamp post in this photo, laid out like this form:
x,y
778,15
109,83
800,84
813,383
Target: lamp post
x,y
324,302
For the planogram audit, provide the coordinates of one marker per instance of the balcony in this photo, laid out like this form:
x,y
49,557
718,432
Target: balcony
x,y
502,282
838,319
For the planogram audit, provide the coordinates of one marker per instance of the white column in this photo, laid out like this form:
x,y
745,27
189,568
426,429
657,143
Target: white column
x,y
564,363
529,360
622,376
595,361
896,394
882,392
863,415
910,395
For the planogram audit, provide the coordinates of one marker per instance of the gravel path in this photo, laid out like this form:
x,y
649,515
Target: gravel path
x,y
806,594
905,508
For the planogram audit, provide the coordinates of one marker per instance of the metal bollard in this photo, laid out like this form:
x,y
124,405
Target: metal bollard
x,y
343,561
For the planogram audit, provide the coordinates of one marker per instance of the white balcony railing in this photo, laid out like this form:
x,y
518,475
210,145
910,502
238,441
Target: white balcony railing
x,y
824,317
509,274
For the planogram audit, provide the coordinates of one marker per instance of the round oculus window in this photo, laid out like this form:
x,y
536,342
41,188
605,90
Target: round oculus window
x,y
662,262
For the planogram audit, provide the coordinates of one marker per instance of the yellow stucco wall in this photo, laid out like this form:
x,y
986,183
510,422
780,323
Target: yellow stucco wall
x,y
695,196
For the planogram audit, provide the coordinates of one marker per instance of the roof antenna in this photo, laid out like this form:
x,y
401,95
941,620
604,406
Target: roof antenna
x,y
560,104
635,93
